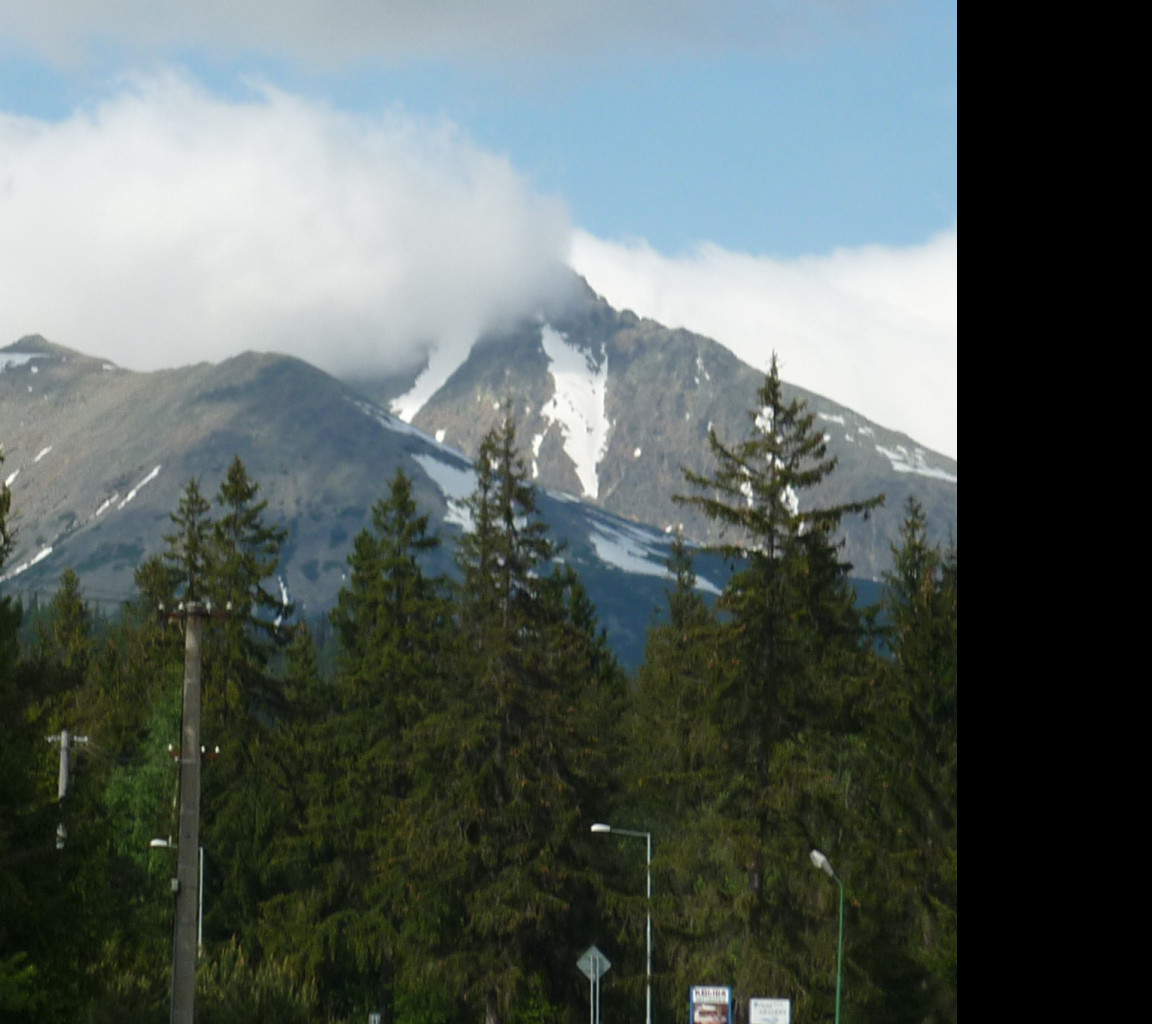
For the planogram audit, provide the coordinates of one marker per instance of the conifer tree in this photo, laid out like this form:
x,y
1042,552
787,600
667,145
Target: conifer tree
x,y
910,807
63,634
243,555
242,809
391,623
390,618
778,701
187,554
672,737
18,972
501,774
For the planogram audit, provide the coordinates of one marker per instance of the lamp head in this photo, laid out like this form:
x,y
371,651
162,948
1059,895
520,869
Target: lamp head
x,y
601,827
162,844
822,862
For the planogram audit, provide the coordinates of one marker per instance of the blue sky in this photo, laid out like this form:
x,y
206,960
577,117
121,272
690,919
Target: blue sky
x,y
780,175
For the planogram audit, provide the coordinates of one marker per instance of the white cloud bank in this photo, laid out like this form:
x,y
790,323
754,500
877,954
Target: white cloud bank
x,y
166,226
873,328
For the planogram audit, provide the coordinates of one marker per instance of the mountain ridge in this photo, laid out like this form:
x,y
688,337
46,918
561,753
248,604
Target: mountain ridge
x,y
663,389
610,407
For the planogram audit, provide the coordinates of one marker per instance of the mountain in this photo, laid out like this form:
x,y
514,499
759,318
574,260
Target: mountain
x,y
610,407
97,457
613,407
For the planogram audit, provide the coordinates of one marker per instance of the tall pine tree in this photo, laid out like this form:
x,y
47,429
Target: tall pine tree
x,y
502,775
910,808
781,693
242,809
342,921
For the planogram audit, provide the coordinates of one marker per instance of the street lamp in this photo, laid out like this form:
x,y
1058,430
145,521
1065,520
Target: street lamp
x,y
167,844
600,827
822,862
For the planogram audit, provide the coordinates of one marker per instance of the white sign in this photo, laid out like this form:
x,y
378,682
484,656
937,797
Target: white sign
x,y
770,1011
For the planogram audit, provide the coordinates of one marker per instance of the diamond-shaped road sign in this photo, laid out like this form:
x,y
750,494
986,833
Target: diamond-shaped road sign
x,y
593,963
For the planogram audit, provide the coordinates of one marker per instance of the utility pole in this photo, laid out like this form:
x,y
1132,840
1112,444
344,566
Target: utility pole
x,y
65,739
187,882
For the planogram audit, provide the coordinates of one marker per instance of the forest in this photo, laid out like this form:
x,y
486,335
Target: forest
x,y
398,820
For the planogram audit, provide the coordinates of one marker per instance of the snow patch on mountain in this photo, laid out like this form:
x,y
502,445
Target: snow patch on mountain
x,y
443,361
537,441
456,483
38,557
636,551
132,493
577,405
915,461
398,426
17,359
387,420
627,549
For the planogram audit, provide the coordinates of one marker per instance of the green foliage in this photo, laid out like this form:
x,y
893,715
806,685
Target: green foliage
x,y
187,554
390,618
243,802
17,984
503,772
744,719
342,916
911,810
408,831
233,990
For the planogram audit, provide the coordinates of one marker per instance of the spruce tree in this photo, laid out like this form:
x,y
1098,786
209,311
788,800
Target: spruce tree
x,y
187,554
241,809
243,556
18,842
782,692
63,635
503,772
342,918
390,617
912,804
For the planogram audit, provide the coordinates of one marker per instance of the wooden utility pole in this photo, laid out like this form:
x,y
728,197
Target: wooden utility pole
x,y
187,853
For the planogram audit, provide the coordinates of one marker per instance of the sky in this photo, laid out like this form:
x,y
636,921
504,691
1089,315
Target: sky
x,y
368,184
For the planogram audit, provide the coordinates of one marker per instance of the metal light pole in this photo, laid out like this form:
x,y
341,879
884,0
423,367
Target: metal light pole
x,y
167,844
600,827
822,862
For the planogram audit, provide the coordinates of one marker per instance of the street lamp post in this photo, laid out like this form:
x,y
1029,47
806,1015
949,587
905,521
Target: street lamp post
x,y
600,827
167,844
822,862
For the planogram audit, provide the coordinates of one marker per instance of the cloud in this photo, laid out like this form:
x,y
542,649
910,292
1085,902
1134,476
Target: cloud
x,y
338,30
873,328
167,225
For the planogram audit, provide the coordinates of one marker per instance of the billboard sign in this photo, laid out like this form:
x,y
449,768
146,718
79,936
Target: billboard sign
x,y
711,1005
